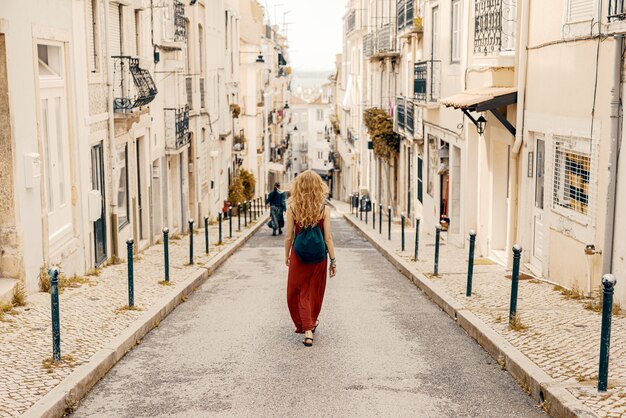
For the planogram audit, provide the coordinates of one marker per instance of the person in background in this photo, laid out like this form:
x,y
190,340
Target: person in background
x,y
276,200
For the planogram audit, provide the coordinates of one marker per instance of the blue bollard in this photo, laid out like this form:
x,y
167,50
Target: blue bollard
x,y
54,304
219,227
517,255
470,263
417,238
206,234
131,277
166,253
245,213
608,287
402,230
437,239
191,241
238,217
230,221
389,222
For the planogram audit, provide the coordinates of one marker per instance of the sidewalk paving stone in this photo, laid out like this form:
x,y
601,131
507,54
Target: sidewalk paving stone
x,y
562,337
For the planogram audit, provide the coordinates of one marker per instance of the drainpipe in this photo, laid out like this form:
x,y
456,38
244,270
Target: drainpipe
x,y
111,122
615,135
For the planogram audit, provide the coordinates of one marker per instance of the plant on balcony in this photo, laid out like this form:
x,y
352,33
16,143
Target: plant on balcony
x,y
240,139
334,121
380,128
248,182
235,110
236,192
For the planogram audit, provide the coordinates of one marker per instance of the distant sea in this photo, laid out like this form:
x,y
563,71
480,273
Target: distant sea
x,y
310,79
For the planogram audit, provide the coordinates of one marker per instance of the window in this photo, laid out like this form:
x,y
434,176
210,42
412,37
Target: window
x,y
122,188
320,136
580,10
202,90
115,29
201,49
572,175
435,33
455,47
138,28
188,87
92,34
320,115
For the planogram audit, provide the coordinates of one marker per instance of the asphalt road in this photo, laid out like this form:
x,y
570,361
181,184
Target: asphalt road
x,y
382,349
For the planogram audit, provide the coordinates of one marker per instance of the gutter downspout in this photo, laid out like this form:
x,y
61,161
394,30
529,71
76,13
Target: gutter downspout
x,y
615,137
111,123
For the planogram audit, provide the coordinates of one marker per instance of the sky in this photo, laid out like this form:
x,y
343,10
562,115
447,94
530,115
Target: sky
x,y
315,32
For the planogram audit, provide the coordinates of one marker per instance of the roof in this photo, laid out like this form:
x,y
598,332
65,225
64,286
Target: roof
x,y
482,99
296,100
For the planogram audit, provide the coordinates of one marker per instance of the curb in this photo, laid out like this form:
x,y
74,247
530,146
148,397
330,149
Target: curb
x,y
531,377
66,395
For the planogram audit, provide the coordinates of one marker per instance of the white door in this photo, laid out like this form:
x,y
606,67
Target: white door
x,y
538,230
55,146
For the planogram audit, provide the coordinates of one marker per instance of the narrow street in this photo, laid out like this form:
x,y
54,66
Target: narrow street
x,y
382,349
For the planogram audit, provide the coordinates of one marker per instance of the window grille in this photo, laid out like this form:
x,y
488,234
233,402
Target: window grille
x,y
574,176
189,90
202,91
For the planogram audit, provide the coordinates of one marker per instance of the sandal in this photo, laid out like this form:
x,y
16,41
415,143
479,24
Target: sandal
x,y
308,342
315,327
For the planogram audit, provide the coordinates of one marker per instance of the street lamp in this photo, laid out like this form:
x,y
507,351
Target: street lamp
x,y
480,125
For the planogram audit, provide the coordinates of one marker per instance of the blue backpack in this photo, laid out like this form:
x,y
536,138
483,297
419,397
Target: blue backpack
x,y
309,245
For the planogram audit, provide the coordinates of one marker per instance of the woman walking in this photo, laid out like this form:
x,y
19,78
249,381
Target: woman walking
x,y
307,243
276,200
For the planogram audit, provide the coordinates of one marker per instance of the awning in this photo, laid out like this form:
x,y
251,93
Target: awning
x,y
276,167
483,100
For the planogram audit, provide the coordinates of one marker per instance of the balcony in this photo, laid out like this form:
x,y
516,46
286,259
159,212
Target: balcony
x,y
133,86
495,26
368,44
386,42
427,81
180,31
617,10
177,133
405,12
400,114
351,22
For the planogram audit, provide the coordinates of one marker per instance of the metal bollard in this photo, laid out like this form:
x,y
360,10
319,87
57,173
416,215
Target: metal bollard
x,y
417,238
191,241
437,239
517,255
131,276
366,211
245,213
389,222
250,207
54,304
230,221
206,234
166,253
219,225
238,217
360,209
402,229
373,216
380,218
608,287
470,263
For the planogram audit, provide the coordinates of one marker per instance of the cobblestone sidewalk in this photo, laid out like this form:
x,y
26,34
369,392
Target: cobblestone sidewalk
x,y
92,314
561,336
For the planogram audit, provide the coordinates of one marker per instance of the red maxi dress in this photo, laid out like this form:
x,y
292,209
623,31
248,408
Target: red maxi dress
x,y
305,288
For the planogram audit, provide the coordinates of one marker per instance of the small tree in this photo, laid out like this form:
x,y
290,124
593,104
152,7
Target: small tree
x,y
380,128
249,182
236,193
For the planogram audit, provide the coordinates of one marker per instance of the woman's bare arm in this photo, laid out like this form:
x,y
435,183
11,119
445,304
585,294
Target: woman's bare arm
x,y
328,238
288,236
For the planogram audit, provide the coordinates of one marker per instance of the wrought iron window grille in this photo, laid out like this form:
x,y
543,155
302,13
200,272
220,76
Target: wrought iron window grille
x,y
133,86
427,81
494,26
180,31
177,132
617,10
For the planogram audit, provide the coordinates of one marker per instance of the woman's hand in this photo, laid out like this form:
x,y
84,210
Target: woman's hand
x,y
287,261
332,270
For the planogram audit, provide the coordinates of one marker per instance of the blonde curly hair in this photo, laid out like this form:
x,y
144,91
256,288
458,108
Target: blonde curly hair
x,y
308,193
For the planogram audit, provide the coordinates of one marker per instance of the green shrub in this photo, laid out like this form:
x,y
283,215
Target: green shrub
x,y
236,193
249,182
380,129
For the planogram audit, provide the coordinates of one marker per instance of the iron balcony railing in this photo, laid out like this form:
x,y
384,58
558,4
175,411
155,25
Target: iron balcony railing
x,y
133,86
368,44
180,31
400,113
409,125
385,40
495,26
405,10
427,81
351,22
177,133
617,10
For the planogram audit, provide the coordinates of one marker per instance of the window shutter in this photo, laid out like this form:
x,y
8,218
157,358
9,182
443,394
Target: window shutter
x,y
114,30
188,87
580,10
91,37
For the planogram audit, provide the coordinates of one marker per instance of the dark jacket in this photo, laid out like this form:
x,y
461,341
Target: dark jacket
x,y
276,198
